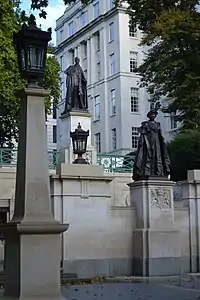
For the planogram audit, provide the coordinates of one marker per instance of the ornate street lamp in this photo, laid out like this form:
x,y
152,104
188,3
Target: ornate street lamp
x,y
31,47
79,141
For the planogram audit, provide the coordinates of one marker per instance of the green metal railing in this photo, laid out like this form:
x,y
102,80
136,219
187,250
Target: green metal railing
x,y
111,163
8,158
116,163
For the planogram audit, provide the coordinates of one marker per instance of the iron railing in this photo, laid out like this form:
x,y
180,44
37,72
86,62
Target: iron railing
x,y
111,163
116,163
8,158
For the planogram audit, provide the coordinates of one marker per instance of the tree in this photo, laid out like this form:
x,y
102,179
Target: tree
x,y
171,32
172,66
10,79
184,151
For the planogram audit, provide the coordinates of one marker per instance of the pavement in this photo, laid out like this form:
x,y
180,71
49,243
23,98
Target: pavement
x,y
130,291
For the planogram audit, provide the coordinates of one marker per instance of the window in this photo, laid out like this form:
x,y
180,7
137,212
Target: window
x,y
83,18
98,71
54,111
71,28
112,3
61,35
132,29
97,141
96,10
97,40
54,134
84,50
133,61
111,32
112,64
97,107
72,54
54,157
114,139
113,102
61,62
135,137
173,121
134,99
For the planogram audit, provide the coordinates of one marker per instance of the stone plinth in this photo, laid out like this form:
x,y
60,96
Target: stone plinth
x,y
69,122
32,251
155,248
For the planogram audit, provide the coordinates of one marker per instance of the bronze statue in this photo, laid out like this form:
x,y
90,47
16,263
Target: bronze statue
x,y
151,158
76,83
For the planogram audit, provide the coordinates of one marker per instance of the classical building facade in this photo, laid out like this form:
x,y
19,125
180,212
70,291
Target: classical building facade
x,y
51,128
108,48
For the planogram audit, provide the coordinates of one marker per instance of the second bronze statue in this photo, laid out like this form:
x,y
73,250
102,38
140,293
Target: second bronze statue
x,y
76,84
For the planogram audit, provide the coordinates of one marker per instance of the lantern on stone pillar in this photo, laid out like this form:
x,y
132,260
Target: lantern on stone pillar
x,y
79,142
31,46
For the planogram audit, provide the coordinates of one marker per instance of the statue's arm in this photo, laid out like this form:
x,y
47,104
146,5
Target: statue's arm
x,y
144,129
67,76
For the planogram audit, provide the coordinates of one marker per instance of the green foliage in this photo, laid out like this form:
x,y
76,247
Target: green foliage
x,y
51,81
10,79
172,66
145,12
184,151
42,4
171,37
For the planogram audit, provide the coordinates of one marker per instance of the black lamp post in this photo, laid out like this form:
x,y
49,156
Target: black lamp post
x,y
31,47
79,141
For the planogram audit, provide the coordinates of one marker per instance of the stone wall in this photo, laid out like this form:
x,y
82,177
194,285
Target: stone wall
x,y
99,239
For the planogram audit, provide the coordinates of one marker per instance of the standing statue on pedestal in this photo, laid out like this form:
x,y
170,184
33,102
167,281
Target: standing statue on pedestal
x,y
151,159
76,83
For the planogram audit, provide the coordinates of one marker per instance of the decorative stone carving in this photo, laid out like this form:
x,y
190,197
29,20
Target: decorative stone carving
x,y
160,198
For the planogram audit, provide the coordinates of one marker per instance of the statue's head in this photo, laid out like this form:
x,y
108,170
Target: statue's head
x,y
77,61
152,114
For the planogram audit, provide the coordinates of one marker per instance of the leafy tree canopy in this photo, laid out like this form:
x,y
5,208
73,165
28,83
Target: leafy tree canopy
x,y
10,79
184,153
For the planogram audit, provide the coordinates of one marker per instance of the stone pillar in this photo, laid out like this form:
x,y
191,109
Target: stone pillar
x,y
69,122
33,250
191,192
156,250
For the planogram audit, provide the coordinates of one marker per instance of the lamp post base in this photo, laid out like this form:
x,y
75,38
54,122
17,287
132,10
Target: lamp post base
x,y
80,160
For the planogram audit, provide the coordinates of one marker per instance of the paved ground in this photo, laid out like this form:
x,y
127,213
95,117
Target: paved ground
x,y
129,291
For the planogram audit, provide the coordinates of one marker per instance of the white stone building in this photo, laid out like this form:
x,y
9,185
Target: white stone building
x,y
51,128
108,48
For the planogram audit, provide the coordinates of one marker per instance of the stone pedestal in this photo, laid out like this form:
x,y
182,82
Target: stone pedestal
x,y
32,251
155,248
69,122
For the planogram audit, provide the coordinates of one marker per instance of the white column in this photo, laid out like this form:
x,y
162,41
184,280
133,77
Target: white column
x,y
106,97
93,60
89,58
191,191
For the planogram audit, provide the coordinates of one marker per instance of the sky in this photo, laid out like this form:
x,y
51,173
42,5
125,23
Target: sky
x,y
54,10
